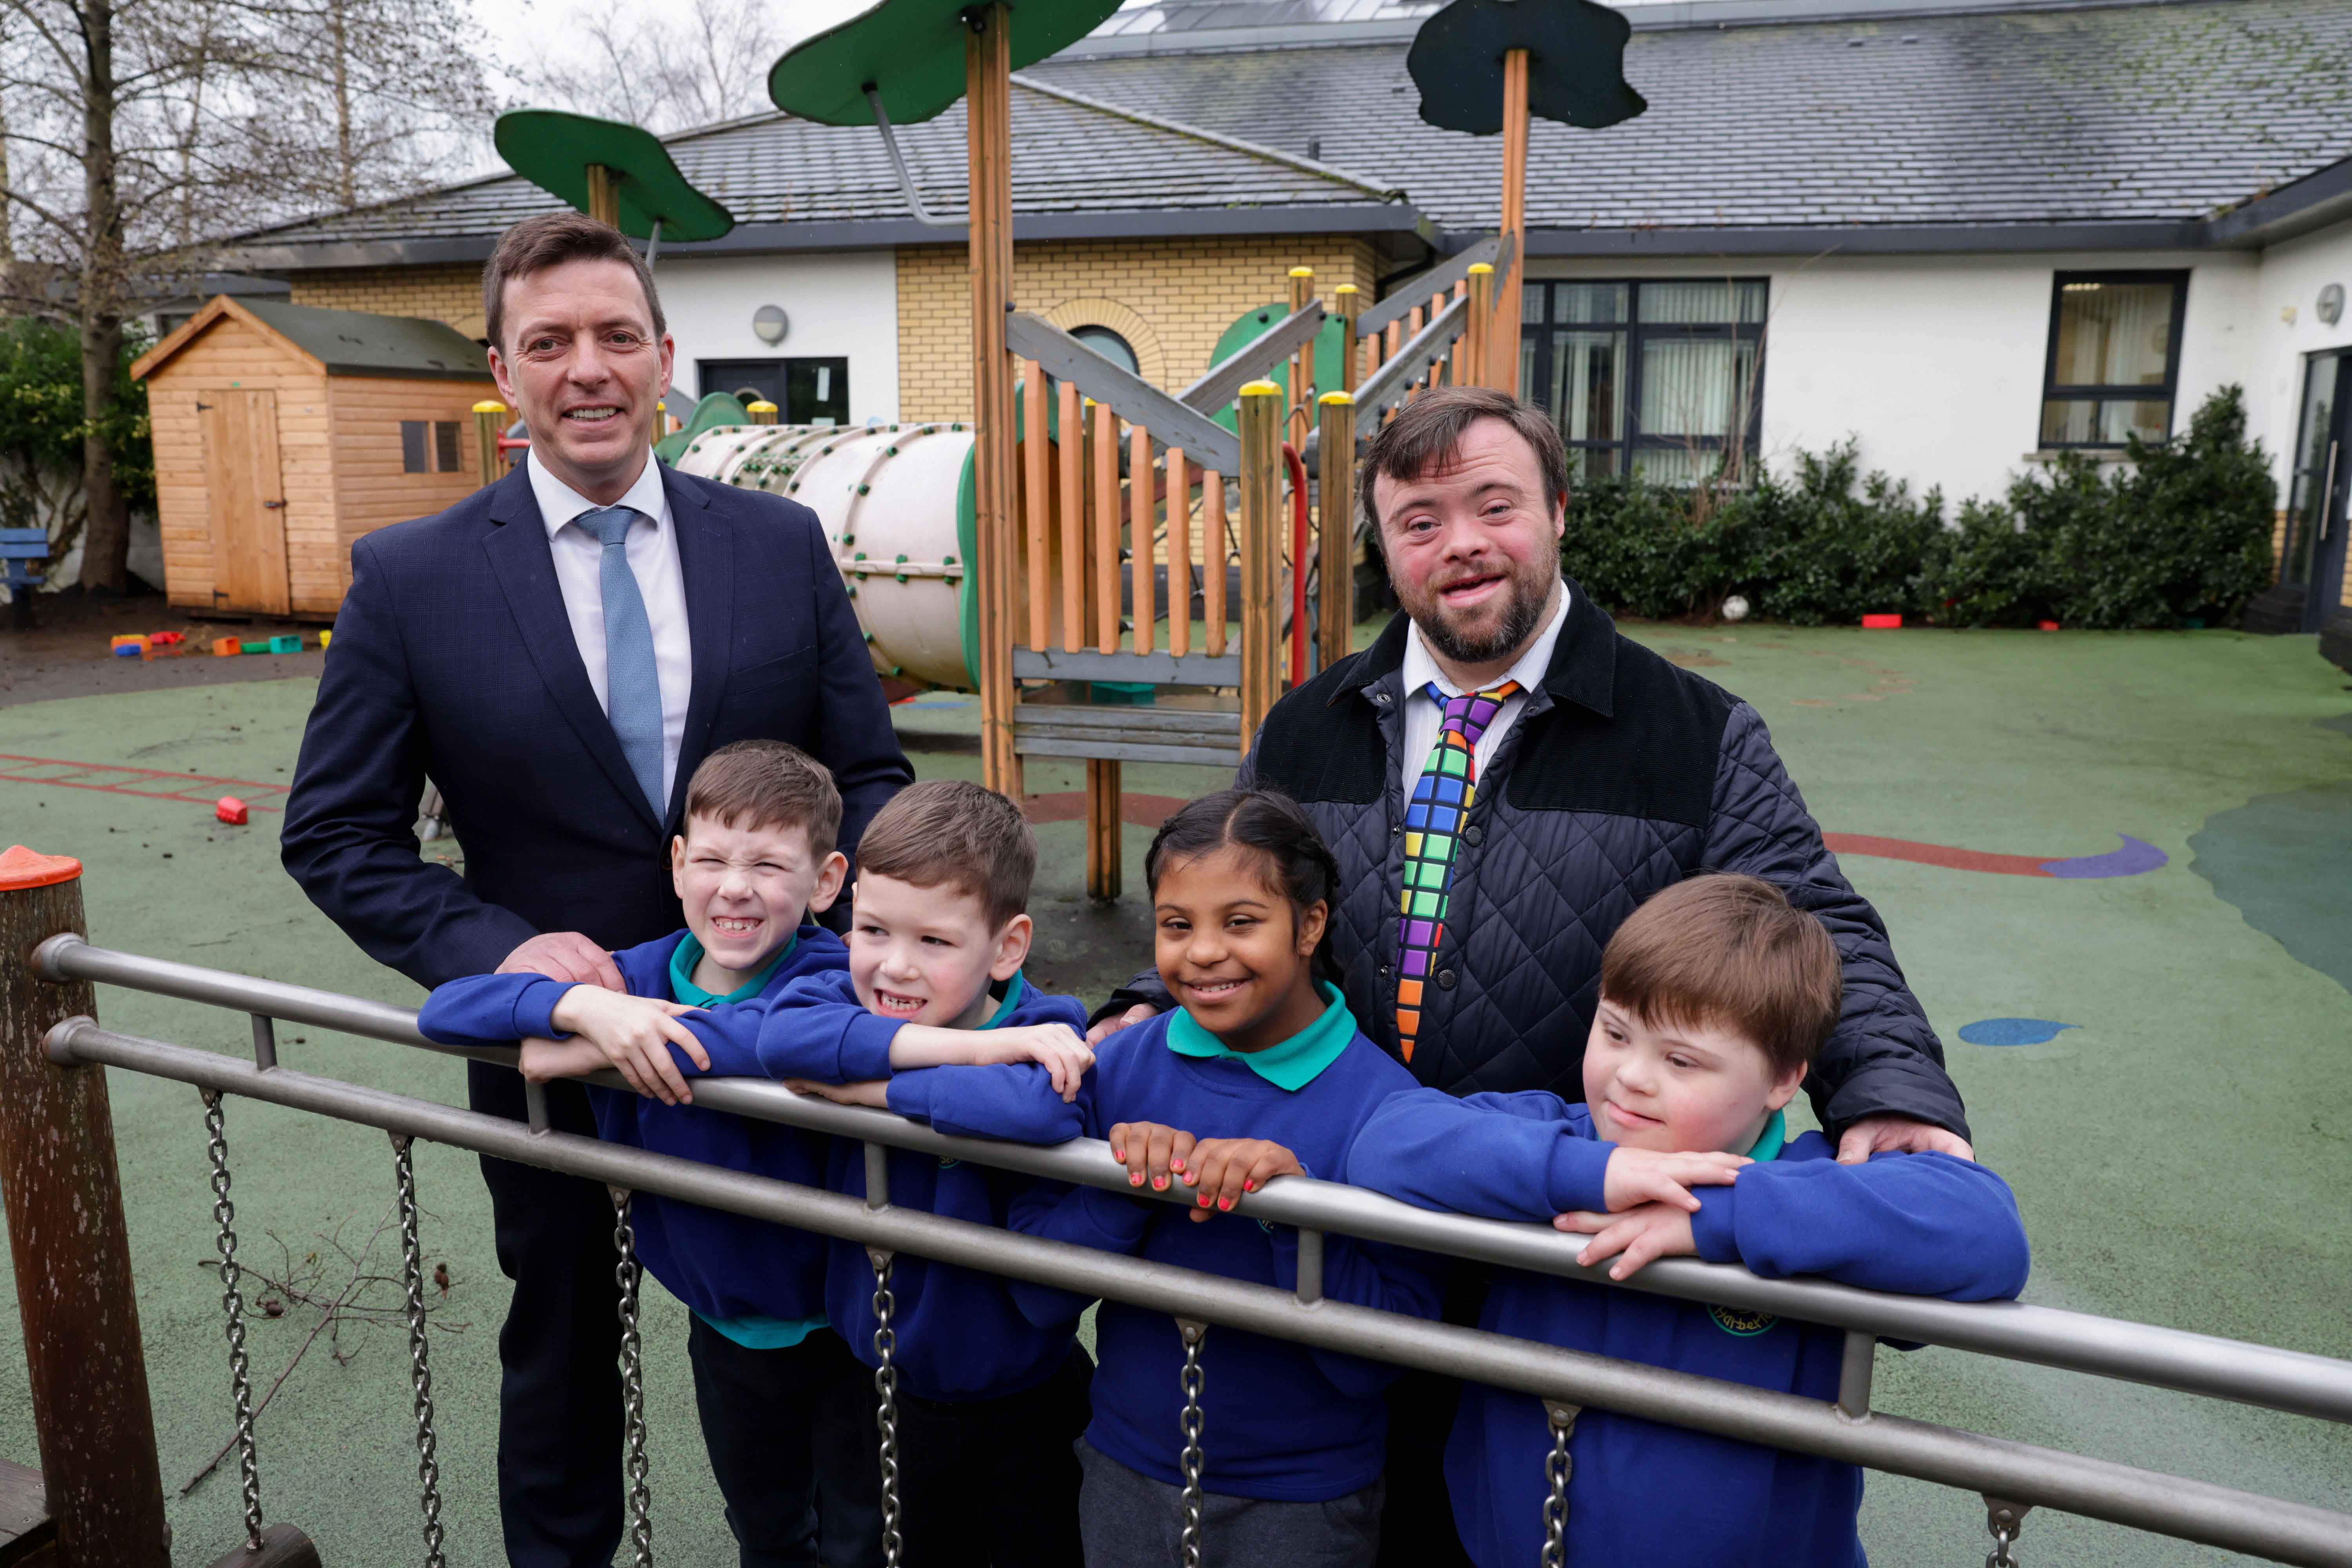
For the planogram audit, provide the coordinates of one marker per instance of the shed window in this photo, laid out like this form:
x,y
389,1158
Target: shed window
x,y
445,446
1661,376
412,447
2114,357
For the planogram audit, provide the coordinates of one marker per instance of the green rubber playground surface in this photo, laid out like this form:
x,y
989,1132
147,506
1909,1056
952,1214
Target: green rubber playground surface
x,y
2181,1147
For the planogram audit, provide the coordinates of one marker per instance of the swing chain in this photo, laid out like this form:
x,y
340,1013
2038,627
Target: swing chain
x,y
233,1303
1190,1465
886,1392
633,1381
1558,1467
2004,1520
420,1369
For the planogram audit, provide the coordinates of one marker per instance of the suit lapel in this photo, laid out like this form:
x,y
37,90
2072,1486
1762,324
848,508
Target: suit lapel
x,y
706,563
525,565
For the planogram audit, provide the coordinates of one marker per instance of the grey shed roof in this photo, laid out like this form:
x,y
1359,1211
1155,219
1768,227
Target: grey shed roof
x,y
791,182
348,342
2155,116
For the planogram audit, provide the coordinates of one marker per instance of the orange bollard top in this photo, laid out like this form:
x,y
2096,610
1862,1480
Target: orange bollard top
x,y
21,868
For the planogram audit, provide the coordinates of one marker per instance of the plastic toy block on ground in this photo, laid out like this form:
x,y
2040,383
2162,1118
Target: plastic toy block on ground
x,y
226,647
231,810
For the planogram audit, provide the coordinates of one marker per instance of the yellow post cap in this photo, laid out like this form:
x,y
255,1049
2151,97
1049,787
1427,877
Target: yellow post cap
x,y
762,407
1340,398
489,407
1302,272
1482,267
1261,389
1346,288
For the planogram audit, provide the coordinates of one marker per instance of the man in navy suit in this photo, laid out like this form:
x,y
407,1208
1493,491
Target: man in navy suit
x,y
557,652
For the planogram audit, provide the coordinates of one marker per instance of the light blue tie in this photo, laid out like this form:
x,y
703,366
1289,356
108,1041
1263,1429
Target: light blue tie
x,y
632,684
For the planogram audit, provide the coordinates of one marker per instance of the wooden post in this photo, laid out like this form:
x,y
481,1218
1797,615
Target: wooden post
x,y
1480,329
1296,417
1349,299
1180,554
489,418
1072,450
1103,830
1262,530
71,1251
1502,368
1215,547
988,109
603,194
1142,570
761,411
1336,558
1038,504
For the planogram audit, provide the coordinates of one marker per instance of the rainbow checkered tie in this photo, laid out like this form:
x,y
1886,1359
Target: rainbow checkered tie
x,y
1433,826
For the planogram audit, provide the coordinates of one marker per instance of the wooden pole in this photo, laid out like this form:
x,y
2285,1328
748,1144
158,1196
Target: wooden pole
x,y
489,418
1106,530
1103,830
1037,506
1477,348
989,119
74,1295
1180,554
1350,300
603,194
1072,450
1502,368
1296,417
1143,571
1215,547
1336,557
1262,529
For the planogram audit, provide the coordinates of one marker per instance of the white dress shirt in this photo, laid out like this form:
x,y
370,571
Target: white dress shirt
x,y
1424,718
652,546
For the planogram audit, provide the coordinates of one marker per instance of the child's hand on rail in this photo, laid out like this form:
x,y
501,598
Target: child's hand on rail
x,y
1651,1231
875,1092
1222,1169
633,1034
543,1062
1149,1149
1638,1176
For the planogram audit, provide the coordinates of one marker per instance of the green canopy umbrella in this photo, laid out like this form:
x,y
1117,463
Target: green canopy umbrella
x,y
1485,65
912,53
609,170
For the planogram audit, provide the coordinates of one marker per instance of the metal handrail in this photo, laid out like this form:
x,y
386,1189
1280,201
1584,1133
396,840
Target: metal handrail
x,y
2189,1509
2290,1381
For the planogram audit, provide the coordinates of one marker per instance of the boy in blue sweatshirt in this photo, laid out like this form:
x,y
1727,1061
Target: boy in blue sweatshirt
x,y
989,1403
1260,1073
781,1399
1715,996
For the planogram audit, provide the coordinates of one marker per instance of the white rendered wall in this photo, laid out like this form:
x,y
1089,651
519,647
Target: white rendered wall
x,y
2290,280
841,302
1934,363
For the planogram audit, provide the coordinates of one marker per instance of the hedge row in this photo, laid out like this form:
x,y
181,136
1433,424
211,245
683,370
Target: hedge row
x,y
2178,533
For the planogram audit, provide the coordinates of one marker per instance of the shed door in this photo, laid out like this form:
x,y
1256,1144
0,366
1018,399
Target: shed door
x,y
247,500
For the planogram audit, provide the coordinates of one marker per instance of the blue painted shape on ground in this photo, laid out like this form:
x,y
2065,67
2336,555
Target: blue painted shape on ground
x,y
2013,1031
2134,859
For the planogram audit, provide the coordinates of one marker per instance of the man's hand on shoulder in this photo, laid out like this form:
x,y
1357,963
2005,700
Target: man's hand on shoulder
x,y
565,955
1139,1014
1899,1135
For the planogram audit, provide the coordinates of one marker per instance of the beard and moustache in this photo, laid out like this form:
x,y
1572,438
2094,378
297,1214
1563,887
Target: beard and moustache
x,y
1522,609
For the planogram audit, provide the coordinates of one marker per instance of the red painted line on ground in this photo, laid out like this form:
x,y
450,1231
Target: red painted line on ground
x,y
126,781
1936,854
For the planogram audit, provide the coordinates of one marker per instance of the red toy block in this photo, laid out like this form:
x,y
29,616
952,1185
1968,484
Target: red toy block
x,y
231,810
166,639
1882,623
226,647
2049,625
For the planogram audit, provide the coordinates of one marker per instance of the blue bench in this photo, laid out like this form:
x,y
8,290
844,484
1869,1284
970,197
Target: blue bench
x,y
18,546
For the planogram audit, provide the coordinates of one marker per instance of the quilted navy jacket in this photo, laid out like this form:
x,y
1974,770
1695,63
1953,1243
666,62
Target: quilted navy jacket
x,y
1622,775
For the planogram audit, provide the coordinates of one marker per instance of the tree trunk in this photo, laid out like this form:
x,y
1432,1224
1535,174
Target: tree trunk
x,y
348,187
106,542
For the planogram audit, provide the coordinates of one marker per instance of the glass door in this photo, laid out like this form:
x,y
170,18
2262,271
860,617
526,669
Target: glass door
x,y
2319,485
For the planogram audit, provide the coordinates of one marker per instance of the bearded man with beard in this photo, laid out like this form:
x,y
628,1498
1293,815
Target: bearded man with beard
x,y
1503,779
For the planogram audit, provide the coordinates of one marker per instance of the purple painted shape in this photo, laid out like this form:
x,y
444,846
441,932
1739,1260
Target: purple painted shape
x,y
2136,858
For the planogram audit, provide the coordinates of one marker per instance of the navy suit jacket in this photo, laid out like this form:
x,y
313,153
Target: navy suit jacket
x,y
453,656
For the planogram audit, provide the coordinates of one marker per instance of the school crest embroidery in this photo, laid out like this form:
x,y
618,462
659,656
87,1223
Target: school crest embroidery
x,y
1742,1322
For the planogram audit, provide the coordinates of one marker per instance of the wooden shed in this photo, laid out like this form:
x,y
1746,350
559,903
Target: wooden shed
x,y
283,433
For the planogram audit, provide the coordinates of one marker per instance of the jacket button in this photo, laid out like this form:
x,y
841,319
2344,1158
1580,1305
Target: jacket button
x,y
1385,971
1446,980
1473,834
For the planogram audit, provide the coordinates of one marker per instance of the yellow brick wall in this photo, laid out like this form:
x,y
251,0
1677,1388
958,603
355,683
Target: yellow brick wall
x,y
1176,295
452,294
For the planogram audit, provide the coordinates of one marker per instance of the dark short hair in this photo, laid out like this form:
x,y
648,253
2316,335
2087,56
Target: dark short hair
x,y
550,239
1729,951
950,833
767,783
1427,432
1300,866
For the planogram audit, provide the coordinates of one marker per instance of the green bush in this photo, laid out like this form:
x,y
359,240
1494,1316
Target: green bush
x,y
41,430
2179,532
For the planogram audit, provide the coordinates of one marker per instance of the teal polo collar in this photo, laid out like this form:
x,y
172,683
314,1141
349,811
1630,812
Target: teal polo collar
x,y
1291,1065
682,987
1015,989
1770,1142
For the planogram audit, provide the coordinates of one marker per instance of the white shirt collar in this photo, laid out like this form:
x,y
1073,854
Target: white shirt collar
x,y
558,503
1421,664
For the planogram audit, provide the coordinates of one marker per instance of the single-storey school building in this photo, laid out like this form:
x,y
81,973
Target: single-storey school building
x,y
1966,234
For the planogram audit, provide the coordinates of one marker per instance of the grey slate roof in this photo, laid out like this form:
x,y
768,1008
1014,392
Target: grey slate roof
x,y
1069,157
2127,113
352,342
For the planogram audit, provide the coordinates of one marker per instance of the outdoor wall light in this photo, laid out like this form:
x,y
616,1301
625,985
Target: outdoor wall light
x,y
2331,303
771,324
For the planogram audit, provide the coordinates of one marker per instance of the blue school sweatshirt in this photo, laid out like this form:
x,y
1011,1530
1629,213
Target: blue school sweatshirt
x,y
1284,1422
1923,1225
960,1335
761,1284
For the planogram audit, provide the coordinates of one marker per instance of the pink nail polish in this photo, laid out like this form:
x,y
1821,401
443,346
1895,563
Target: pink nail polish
x,y
1224,1203
1159,1184
1204,1200
1135,1178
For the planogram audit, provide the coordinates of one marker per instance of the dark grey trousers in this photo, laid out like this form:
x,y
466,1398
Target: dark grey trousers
x,y
1131,1520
